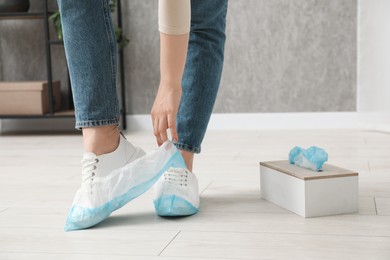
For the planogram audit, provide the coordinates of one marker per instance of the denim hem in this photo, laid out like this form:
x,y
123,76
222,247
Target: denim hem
x,y
96,123
188,148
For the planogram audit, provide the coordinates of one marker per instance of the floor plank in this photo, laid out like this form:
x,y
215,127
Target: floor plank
x,y
278,246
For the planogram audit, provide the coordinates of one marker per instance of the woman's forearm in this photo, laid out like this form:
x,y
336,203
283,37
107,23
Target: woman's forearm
x,y
173,53
174,25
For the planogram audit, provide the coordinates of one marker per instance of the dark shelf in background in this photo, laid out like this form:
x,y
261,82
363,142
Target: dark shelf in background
x,y
48,44
21,15
57,42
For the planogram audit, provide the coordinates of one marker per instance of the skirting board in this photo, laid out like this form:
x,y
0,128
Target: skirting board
x,y
229,121
254,121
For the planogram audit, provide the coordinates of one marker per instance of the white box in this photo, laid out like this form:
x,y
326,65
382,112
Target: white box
x,y
308,193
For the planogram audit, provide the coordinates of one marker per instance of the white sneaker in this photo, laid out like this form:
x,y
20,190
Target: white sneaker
x,y
176,193
99,178
102,165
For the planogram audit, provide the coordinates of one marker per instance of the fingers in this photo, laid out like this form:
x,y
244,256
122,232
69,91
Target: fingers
x,y
164,111
163,126
156,131
172,127
160,127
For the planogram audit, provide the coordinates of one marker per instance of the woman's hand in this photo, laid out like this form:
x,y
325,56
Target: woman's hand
x,y
173,53
164,111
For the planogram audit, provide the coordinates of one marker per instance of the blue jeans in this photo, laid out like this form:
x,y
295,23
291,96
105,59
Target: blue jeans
x,y
91,52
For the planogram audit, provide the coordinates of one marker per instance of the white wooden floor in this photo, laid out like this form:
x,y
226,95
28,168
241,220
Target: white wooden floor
x,y
39,175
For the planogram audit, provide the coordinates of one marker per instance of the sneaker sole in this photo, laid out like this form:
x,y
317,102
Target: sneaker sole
x,y
174,206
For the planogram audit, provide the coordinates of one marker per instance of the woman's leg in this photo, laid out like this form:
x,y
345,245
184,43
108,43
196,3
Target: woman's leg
x,y
177,193
92,59
91,53
202,74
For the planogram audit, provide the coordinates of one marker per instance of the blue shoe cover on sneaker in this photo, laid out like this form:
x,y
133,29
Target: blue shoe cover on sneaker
x,y
94,203
172,205
312,158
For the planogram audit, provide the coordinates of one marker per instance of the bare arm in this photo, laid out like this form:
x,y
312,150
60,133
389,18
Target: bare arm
x,y
174,33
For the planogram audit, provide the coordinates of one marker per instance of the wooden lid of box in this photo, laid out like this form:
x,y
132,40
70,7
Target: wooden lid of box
x,y
328,171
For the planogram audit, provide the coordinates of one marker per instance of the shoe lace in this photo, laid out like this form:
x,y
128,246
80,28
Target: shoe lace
x,y
176,176
88,169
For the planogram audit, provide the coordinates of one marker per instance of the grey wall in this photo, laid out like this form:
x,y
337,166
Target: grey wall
x,y
290,56
142,55
281,55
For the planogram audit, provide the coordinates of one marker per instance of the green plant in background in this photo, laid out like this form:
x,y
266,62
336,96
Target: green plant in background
x,y
56,18
120,38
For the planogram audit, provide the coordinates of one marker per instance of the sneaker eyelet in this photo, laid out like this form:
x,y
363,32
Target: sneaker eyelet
x,y
97,160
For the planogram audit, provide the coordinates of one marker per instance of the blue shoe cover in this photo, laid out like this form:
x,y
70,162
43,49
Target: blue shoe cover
x,y
173,206
93,204
312,158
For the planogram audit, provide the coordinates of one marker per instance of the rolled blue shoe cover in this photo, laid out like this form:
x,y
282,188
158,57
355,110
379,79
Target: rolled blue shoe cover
x,y
312,158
